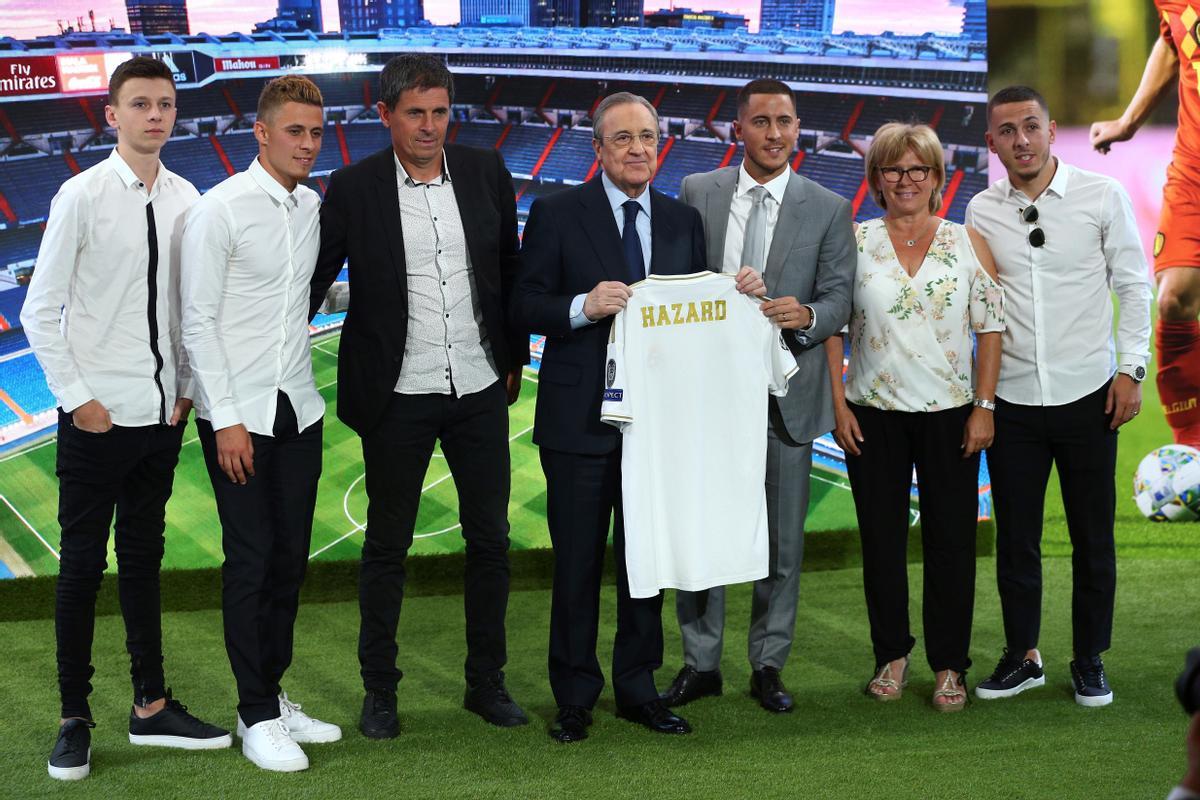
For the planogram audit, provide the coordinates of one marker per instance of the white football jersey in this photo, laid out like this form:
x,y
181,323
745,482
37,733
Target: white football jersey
x,y
690,362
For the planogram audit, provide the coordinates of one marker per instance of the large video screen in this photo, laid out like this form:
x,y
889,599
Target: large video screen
x,y
526,85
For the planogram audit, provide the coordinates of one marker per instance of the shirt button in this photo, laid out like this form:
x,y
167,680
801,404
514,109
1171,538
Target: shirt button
x,y
447,316
443,283
439,252
449,346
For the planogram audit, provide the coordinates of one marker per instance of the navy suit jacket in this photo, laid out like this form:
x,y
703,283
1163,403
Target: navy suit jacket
x,y
571,243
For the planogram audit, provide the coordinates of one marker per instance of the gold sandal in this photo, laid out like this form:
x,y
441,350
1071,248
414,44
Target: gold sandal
x,y
954,688
884,687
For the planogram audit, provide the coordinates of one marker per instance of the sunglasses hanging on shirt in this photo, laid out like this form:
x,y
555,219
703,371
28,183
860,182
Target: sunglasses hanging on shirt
x,y
1037,236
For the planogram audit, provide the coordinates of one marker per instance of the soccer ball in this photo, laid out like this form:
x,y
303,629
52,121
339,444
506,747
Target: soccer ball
x,y
1166,486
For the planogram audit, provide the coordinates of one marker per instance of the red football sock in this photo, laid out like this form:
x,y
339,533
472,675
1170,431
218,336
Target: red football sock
x,y
1178,377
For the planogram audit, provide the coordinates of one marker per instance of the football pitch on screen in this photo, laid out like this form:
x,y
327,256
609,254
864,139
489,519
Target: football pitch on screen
x,y
29,532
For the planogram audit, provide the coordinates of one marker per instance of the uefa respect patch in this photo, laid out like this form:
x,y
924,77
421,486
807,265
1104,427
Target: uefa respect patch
x,y
613,395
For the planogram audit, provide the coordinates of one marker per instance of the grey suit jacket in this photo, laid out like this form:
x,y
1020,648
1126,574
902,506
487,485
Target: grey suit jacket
x,y
812,258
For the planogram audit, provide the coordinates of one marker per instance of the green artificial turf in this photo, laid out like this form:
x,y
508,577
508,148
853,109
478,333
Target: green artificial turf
x,y
837,743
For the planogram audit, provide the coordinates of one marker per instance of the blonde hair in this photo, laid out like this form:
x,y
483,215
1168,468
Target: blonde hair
x,y
892,141
287,89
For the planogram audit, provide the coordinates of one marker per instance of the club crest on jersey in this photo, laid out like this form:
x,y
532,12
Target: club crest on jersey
x,y
610,372
683,313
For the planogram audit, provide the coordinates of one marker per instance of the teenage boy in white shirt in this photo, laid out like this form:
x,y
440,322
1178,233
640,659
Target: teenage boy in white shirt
x,y
102,316
250,247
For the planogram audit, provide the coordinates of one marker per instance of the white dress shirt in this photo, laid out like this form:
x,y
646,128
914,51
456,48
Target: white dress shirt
x,y
616,199
445,347
250,248
87,314
1058,346
739,215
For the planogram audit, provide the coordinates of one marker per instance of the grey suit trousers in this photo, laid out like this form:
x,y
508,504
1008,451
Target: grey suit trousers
x,y
773,607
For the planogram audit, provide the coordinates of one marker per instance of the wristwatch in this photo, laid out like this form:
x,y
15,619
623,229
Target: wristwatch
x,y
1138,373
986,405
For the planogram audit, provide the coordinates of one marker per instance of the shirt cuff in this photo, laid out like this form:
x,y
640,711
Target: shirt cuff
x,y
578,319
1182,793
1130,360
74,396
226,417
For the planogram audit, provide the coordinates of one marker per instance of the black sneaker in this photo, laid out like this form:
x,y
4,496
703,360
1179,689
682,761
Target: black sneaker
x,y
491,700
1012,676
1091,686
175,727
379,720
71,759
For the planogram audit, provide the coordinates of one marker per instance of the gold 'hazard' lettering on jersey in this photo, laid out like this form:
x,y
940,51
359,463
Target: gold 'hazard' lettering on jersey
x,y
683,313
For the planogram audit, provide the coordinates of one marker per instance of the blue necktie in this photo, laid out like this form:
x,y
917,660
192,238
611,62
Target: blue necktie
x,y
635,264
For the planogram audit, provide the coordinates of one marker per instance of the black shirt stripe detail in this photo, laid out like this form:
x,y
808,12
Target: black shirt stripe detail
x,y
152,311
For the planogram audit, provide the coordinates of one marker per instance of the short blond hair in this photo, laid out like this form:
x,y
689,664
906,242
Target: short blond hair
x,y
287,89
892,141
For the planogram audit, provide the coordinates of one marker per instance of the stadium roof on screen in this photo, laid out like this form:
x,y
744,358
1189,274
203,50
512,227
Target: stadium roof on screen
x,y
929,66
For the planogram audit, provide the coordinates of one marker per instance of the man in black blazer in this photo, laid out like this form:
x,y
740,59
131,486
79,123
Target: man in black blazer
x,y
427,354
583,247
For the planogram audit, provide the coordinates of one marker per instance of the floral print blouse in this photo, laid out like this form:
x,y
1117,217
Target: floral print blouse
x,y
911,346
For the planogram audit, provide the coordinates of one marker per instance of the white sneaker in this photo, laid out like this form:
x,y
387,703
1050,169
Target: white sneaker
x,y
269,746
304,728
301,727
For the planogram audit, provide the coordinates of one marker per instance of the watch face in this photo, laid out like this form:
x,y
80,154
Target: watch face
x,y
1139,374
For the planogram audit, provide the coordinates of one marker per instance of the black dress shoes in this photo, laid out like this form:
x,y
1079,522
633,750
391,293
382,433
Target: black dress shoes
x,y
766,686
692,684
655,716
490,700
571,724
379,720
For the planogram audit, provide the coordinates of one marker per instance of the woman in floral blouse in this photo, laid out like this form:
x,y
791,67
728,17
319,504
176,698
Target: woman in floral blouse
x,y
913,397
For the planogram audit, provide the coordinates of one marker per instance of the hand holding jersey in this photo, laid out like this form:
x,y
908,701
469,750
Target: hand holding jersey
x,y
696,337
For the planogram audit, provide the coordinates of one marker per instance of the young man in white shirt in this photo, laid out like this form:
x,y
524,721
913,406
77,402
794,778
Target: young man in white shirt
x,y
1064,241
102,316
250,247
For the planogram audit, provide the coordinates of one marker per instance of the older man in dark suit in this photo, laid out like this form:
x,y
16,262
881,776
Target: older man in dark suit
x,y
583,248
800,236
427,354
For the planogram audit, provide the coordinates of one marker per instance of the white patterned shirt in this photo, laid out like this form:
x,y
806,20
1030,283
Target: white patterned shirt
x,y
445,346
910,337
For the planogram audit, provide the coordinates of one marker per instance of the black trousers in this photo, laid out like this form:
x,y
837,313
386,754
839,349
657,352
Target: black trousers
x,y
266,530
582,492
473,430
129,470
881,479
1075,437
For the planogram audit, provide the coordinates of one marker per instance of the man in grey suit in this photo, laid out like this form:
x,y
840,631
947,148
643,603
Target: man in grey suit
x,y
800,237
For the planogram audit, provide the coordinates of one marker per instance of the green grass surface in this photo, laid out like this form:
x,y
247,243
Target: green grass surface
x,y
837,744
29,489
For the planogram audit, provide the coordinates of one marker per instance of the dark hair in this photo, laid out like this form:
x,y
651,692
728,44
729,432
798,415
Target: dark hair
x,y
278,92
763,86
413,71
136,67
1016,94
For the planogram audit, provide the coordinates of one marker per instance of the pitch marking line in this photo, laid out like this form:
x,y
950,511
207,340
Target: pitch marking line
x,y
32,529
358,526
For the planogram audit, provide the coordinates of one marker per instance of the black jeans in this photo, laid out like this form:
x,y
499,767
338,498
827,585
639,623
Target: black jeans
x,y
1075,437
881,479
129,470
583,492
266,530
473,430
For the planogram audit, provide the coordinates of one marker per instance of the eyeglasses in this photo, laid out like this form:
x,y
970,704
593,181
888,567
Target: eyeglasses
x,y
1037,236
915,174
624,139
